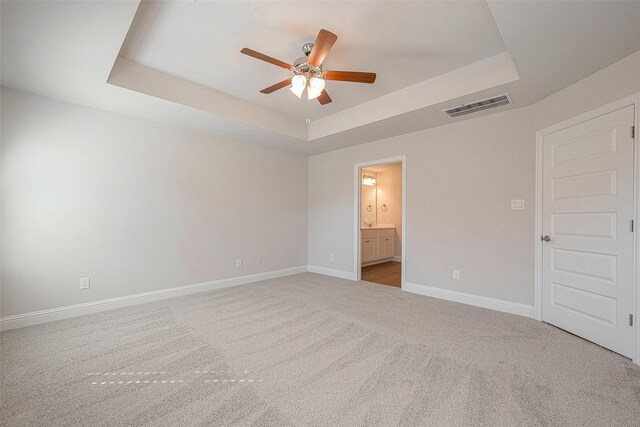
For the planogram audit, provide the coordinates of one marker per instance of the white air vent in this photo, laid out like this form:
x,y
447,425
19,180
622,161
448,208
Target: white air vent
x,y
473,107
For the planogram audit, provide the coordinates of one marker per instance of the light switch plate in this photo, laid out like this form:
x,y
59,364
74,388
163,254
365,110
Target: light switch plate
x,y
85,283
517,204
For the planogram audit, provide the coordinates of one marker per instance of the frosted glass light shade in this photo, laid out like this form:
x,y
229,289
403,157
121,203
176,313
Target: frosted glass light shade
x,y
316,86
311,94
297,90
298,83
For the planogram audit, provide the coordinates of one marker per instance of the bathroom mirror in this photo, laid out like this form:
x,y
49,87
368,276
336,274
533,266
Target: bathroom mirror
x,y
381,195
369,194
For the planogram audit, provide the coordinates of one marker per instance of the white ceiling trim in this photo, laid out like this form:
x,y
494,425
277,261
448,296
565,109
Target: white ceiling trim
x,y
485,74
143,79
404,42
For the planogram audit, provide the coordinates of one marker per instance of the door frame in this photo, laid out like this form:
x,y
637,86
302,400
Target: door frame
x,y
357,187
617,105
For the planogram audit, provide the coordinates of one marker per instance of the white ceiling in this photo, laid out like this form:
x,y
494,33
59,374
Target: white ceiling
x,y
557,43
403,42
67,50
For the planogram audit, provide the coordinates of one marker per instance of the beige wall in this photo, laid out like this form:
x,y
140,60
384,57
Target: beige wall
x,y
458,205
138,206
460,181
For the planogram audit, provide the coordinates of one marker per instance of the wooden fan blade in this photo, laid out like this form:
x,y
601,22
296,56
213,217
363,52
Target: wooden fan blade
x,y
351,76
265,58
322,46
324,98
276,86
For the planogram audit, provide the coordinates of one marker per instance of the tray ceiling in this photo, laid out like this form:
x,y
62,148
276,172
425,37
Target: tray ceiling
x,y
180,63
403,42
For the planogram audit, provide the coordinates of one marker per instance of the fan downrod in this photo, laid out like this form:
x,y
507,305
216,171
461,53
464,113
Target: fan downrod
x,y
306,48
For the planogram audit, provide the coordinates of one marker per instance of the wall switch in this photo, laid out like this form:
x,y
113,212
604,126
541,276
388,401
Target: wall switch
x,y
85,283
332,258
259,260
456,274
239,262
517,204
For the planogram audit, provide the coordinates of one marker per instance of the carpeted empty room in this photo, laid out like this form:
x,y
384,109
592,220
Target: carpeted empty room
x,y
308,349
319,213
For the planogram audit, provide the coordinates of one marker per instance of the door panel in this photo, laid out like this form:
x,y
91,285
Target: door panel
x,y
585,264
587,208
585,185
600,224
369,250
385,247
591,304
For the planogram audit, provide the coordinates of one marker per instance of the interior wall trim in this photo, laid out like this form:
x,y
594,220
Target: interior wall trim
x,y
357,189
349,275
470,299
59,313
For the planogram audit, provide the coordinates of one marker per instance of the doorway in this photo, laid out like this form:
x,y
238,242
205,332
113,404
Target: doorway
x,y
586,220
380,226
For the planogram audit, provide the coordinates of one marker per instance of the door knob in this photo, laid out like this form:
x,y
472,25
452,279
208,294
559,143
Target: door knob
x,y
545,238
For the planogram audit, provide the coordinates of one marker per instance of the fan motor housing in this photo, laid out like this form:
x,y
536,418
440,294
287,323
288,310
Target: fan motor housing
x,y
301,66
306,48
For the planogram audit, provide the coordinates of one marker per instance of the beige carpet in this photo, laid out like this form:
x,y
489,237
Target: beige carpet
x,y
311,350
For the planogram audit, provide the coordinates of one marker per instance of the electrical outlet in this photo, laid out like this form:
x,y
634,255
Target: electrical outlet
x,y
85,283
456,274
239,262
332,258
259,260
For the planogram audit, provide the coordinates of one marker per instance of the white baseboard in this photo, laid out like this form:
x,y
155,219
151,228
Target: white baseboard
x,y
50,315
330,272
476,300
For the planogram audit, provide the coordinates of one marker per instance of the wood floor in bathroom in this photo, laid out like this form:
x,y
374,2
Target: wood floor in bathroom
x,y
387,273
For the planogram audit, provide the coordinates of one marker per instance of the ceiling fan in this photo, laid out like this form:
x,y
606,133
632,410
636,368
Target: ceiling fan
x,y
308,71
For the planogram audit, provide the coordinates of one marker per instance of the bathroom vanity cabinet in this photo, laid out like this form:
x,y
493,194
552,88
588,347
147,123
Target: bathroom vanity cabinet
x,y
377,243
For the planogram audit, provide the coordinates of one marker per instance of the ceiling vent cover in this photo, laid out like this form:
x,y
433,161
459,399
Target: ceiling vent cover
x,y
473,107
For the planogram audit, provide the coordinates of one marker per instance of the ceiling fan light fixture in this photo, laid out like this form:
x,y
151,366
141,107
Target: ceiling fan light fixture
x,y
316,86
308,71
311,94
297,91
298,83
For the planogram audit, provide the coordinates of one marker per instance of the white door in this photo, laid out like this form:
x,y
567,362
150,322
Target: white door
x,y
587,211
